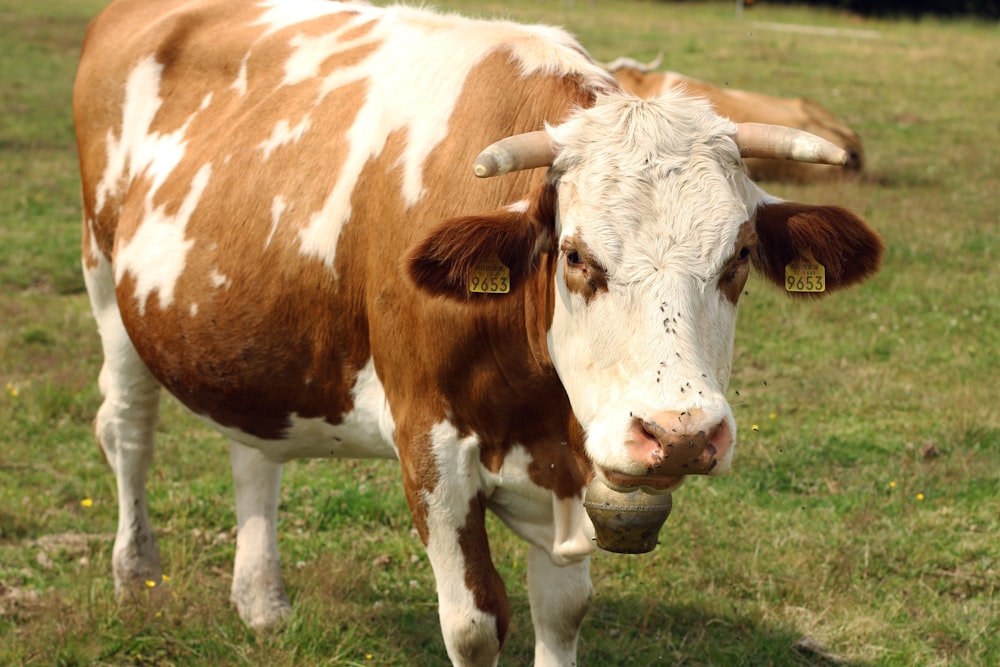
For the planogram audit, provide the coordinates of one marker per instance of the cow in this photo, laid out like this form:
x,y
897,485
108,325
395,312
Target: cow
x,y
743,106
335,230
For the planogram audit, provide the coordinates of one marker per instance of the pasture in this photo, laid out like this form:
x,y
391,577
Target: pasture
x,y
860,525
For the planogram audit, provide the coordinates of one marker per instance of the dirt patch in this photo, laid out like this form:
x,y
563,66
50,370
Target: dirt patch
x,y
14,600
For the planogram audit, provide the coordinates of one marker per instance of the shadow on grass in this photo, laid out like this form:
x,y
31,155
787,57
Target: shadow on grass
x,y
389,611
627,632
637,631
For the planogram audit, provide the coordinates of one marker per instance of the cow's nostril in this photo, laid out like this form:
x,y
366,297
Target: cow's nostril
x,y
854,161
652,429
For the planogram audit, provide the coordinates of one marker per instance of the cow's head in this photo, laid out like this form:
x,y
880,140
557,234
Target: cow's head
x,y
654,224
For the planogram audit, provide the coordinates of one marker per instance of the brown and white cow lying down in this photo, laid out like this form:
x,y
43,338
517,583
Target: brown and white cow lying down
x,y
282,228
742,106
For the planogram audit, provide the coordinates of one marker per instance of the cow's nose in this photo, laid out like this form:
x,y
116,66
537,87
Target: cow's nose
x,y
674,442
854,161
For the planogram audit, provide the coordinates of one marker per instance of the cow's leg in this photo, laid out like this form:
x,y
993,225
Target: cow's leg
x,y
560,596
450,515
124,428
258,592
472,601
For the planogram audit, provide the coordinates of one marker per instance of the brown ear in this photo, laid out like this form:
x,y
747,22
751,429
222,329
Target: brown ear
x,y
843,243
444,261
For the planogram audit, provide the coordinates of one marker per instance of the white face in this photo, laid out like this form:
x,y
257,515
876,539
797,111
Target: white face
x,y
654,239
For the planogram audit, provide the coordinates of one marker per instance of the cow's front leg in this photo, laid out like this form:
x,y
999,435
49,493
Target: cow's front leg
x,y
258,592
560,596
449,510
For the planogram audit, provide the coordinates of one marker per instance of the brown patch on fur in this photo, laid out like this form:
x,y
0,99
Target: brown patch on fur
x,y
843,243
586,276
481,578
444,261
645,85
737,269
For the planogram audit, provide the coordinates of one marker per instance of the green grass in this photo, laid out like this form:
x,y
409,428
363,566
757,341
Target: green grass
x,y
839,523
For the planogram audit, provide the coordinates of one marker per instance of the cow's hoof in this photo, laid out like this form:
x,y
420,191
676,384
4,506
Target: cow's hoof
x,y
268,620
135,583
266,615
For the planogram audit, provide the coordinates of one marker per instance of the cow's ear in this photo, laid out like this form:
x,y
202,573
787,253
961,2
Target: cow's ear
x,y
446,261
849,250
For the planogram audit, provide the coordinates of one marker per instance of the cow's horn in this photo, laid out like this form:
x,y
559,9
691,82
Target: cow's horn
x,y
785,143
521,151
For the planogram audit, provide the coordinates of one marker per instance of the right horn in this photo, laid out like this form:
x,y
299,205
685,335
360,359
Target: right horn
x,y
786,143
521,151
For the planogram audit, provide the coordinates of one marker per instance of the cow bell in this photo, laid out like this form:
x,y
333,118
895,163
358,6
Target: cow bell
x,y
626,523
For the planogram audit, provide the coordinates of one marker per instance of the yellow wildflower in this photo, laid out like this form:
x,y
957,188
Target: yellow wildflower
x,y
87,502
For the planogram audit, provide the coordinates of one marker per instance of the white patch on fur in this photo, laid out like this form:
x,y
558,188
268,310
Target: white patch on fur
x,y
240,82
283,134
280,14
142,101
560,527
519,206
156,255
310,52
278,207
95,250
415,93
217,279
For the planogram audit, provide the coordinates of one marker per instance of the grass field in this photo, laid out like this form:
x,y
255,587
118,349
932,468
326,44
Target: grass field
x,y
861,524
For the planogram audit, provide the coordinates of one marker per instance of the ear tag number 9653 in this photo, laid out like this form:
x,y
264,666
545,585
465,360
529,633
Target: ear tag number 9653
x,y
805,274
491,276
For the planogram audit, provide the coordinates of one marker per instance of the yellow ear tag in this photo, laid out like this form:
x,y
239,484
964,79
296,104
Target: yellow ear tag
x,y
491,277
805,274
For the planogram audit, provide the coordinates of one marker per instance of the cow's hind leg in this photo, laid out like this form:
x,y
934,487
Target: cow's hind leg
x,y
124,427
560,596
258,591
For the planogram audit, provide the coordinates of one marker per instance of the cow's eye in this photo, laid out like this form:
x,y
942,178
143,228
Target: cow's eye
x,y
573,259
744,252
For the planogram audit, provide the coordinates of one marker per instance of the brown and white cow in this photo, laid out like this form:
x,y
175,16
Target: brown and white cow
x,y
743,106
282,228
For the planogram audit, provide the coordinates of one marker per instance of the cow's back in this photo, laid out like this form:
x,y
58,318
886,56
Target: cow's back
x,y
255,173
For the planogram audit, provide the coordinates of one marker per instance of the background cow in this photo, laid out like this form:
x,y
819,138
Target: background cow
x,y
282,227
743,106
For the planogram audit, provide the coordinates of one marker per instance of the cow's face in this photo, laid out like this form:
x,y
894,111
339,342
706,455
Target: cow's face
x,y
655,234
654,227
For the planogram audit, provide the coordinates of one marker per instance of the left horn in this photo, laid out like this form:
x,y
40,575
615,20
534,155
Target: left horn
x,y
521,151
785,143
